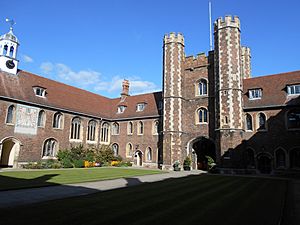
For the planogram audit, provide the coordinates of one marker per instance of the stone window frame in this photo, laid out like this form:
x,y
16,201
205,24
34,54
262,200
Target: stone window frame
x,y
155,127
60,123
127,150
115,128
202,80
105,133
140,128
92,131
116,153
147,159
258,122
54,149
76,129
41,118
128,128
10,118
197,116
248,115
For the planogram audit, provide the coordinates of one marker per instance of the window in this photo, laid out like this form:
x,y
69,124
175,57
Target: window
x,y
202,87
140,107
149,154
40,92
41,118
130,128
75,128
293,119
57,120
10,117
140,128
11,51
129,150
202,115
91,132
155,127
293,89
262,121
115,148
5,49
280,159
50,148
248,122
115,129
255,94
104,132
121,108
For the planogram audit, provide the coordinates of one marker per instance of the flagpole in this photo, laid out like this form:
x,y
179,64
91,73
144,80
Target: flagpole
x,y
210,28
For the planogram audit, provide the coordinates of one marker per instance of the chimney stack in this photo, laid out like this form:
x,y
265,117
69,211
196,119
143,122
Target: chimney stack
x,y
125,89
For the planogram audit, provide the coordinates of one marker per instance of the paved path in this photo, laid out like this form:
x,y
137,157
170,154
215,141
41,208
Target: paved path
x,y
33,195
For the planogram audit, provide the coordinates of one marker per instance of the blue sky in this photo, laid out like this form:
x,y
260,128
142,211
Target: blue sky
x,y
95,44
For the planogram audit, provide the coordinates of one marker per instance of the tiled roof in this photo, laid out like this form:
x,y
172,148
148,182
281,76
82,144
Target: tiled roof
x,y
70,98
151,101
274,89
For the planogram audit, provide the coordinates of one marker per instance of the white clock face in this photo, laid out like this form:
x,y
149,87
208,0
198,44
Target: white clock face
x,y
10,64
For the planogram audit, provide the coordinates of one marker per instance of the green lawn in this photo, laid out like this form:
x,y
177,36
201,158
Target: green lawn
x,y
40,178
201,200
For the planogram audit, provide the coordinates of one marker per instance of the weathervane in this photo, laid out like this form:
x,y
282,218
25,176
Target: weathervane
x,y
11,23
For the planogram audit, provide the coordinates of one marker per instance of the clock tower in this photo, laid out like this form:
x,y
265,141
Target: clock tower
x,y
8,50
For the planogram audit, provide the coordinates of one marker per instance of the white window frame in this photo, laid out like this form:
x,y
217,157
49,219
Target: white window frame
x,y
121,108
255,94
140,107
40,92
293,89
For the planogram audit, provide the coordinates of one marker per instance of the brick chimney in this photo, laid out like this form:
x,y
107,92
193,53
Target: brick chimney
x,y
125,89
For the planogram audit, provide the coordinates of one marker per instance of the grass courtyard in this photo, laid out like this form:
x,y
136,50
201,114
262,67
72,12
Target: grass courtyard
x,y
40,178
201,200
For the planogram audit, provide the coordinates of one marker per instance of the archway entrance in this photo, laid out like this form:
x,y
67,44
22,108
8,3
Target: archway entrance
x,y
9,152
203,153
264,163
138,158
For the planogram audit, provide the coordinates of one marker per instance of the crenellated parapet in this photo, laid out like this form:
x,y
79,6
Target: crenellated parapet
x,y
246,62
192,62
174,38
228,21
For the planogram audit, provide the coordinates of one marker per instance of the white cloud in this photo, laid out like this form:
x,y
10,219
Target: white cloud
x,y
93,81
46,67
27,59
136,85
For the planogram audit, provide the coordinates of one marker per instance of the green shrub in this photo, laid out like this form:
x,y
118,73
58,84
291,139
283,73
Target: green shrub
x,y
79,163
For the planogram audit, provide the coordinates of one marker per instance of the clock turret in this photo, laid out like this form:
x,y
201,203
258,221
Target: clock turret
x,y
8,50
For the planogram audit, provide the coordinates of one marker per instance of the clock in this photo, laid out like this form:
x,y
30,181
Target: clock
x,y
10,64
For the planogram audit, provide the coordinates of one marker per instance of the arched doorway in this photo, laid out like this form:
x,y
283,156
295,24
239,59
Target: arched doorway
x,y
264,163
9,152
203,153
138,158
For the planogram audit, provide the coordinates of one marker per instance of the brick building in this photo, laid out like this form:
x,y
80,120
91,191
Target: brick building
x,y
209,106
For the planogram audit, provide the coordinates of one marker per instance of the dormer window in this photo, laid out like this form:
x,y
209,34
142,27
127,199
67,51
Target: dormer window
x,y
255,94
140,107
121,108
293,89
39,91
